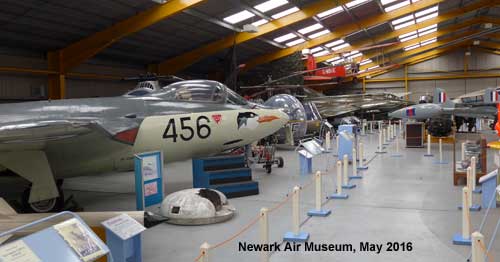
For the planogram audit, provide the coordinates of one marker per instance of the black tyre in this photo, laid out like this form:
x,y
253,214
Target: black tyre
x,y
45,206
281,162
269,169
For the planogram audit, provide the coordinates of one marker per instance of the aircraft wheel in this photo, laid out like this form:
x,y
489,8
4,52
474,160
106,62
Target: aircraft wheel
x,y
281,162
44,206
269,168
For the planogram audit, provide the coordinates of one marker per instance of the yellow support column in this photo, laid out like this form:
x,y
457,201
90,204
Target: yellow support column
x,y
57,81
406,81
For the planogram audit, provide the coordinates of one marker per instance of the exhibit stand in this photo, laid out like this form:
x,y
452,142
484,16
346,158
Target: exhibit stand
x,y
347,135
70,241
148,179
123,237
310,149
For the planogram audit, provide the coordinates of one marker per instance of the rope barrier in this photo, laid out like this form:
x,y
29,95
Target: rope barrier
x,y
483,222
488,254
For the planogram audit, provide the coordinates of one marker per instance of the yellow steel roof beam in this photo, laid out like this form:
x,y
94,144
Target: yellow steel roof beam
x,y
398,46
182,61
86,48
436,20
343,31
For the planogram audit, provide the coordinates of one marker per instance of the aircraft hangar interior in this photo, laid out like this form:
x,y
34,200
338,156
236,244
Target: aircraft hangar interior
x,y
249,130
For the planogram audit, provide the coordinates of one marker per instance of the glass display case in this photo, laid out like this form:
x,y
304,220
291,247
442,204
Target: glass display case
x,y
474,146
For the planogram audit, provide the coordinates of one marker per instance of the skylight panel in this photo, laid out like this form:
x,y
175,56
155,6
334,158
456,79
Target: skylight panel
x,y
295,42
408,34
318,34
427,17
402,19
373,67
410,47
284,38
397,6
356,3
344,45
427,11
337,61
238,17
403,25
332,11
270,5
324,52
355,55
333,59
310,28
366,61
316,49
427,28
386,2
429,41
408,38
427,32
260,22
334,43
285,13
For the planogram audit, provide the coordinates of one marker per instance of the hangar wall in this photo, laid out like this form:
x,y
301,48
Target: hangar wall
x,y
453,63
29,86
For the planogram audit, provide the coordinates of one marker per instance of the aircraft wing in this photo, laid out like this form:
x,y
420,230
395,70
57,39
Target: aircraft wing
x,y
50,130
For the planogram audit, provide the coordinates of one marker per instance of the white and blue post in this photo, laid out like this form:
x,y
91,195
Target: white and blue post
x,y
355,174
345,180
429,143
475,189
296,235
441,161
318,211
362,165
464,238
339,194
471,206
380,149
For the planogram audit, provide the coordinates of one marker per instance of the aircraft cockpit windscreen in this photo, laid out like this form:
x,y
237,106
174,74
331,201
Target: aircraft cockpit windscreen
x,y
194,90
234,98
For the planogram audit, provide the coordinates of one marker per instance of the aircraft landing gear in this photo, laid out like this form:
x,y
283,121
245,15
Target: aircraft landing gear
x,y
44,206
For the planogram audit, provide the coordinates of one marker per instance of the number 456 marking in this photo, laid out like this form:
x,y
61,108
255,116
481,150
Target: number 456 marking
x,y
187,131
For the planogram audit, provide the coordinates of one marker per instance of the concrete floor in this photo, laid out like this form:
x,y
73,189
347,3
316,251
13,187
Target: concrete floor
x,y
405,199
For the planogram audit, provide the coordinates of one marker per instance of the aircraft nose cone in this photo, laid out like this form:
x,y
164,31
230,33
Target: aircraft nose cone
x,y
396,114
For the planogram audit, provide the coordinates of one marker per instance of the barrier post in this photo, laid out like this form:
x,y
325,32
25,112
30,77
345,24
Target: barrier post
x,y
354,166
345,180
397,154
339,194
428,146
204,252
464,237
380,149
462,155
441,161
264,232
401,128
475,189
385,131
371,127
477,250
319,194
469,195
362,165
295,235
327,141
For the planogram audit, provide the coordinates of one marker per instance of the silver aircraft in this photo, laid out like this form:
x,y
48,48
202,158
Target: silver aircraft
x,y
46,141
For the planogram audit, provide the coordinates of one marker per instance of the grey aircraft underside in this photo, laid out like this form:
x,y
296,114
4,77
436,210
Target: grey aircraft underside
x,y
45,141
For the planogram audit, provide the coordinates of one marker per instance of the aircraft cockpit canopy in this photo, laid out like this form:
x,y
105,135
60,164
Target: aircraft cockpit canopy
x,y
193,91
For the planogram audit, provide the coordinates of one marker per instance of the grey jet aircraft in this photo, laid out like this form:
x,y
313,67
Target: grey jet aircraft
x,y
46,141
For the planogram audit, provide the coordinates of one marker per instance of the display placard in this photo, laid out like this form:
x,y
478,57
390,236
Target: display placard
x,y
18,251
77,237
148,179
124,226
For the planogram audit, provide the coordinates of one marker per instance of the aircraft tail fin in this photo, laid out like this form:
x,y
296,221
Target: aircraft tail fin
x,y
5,209
439,96
311,62
491,95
